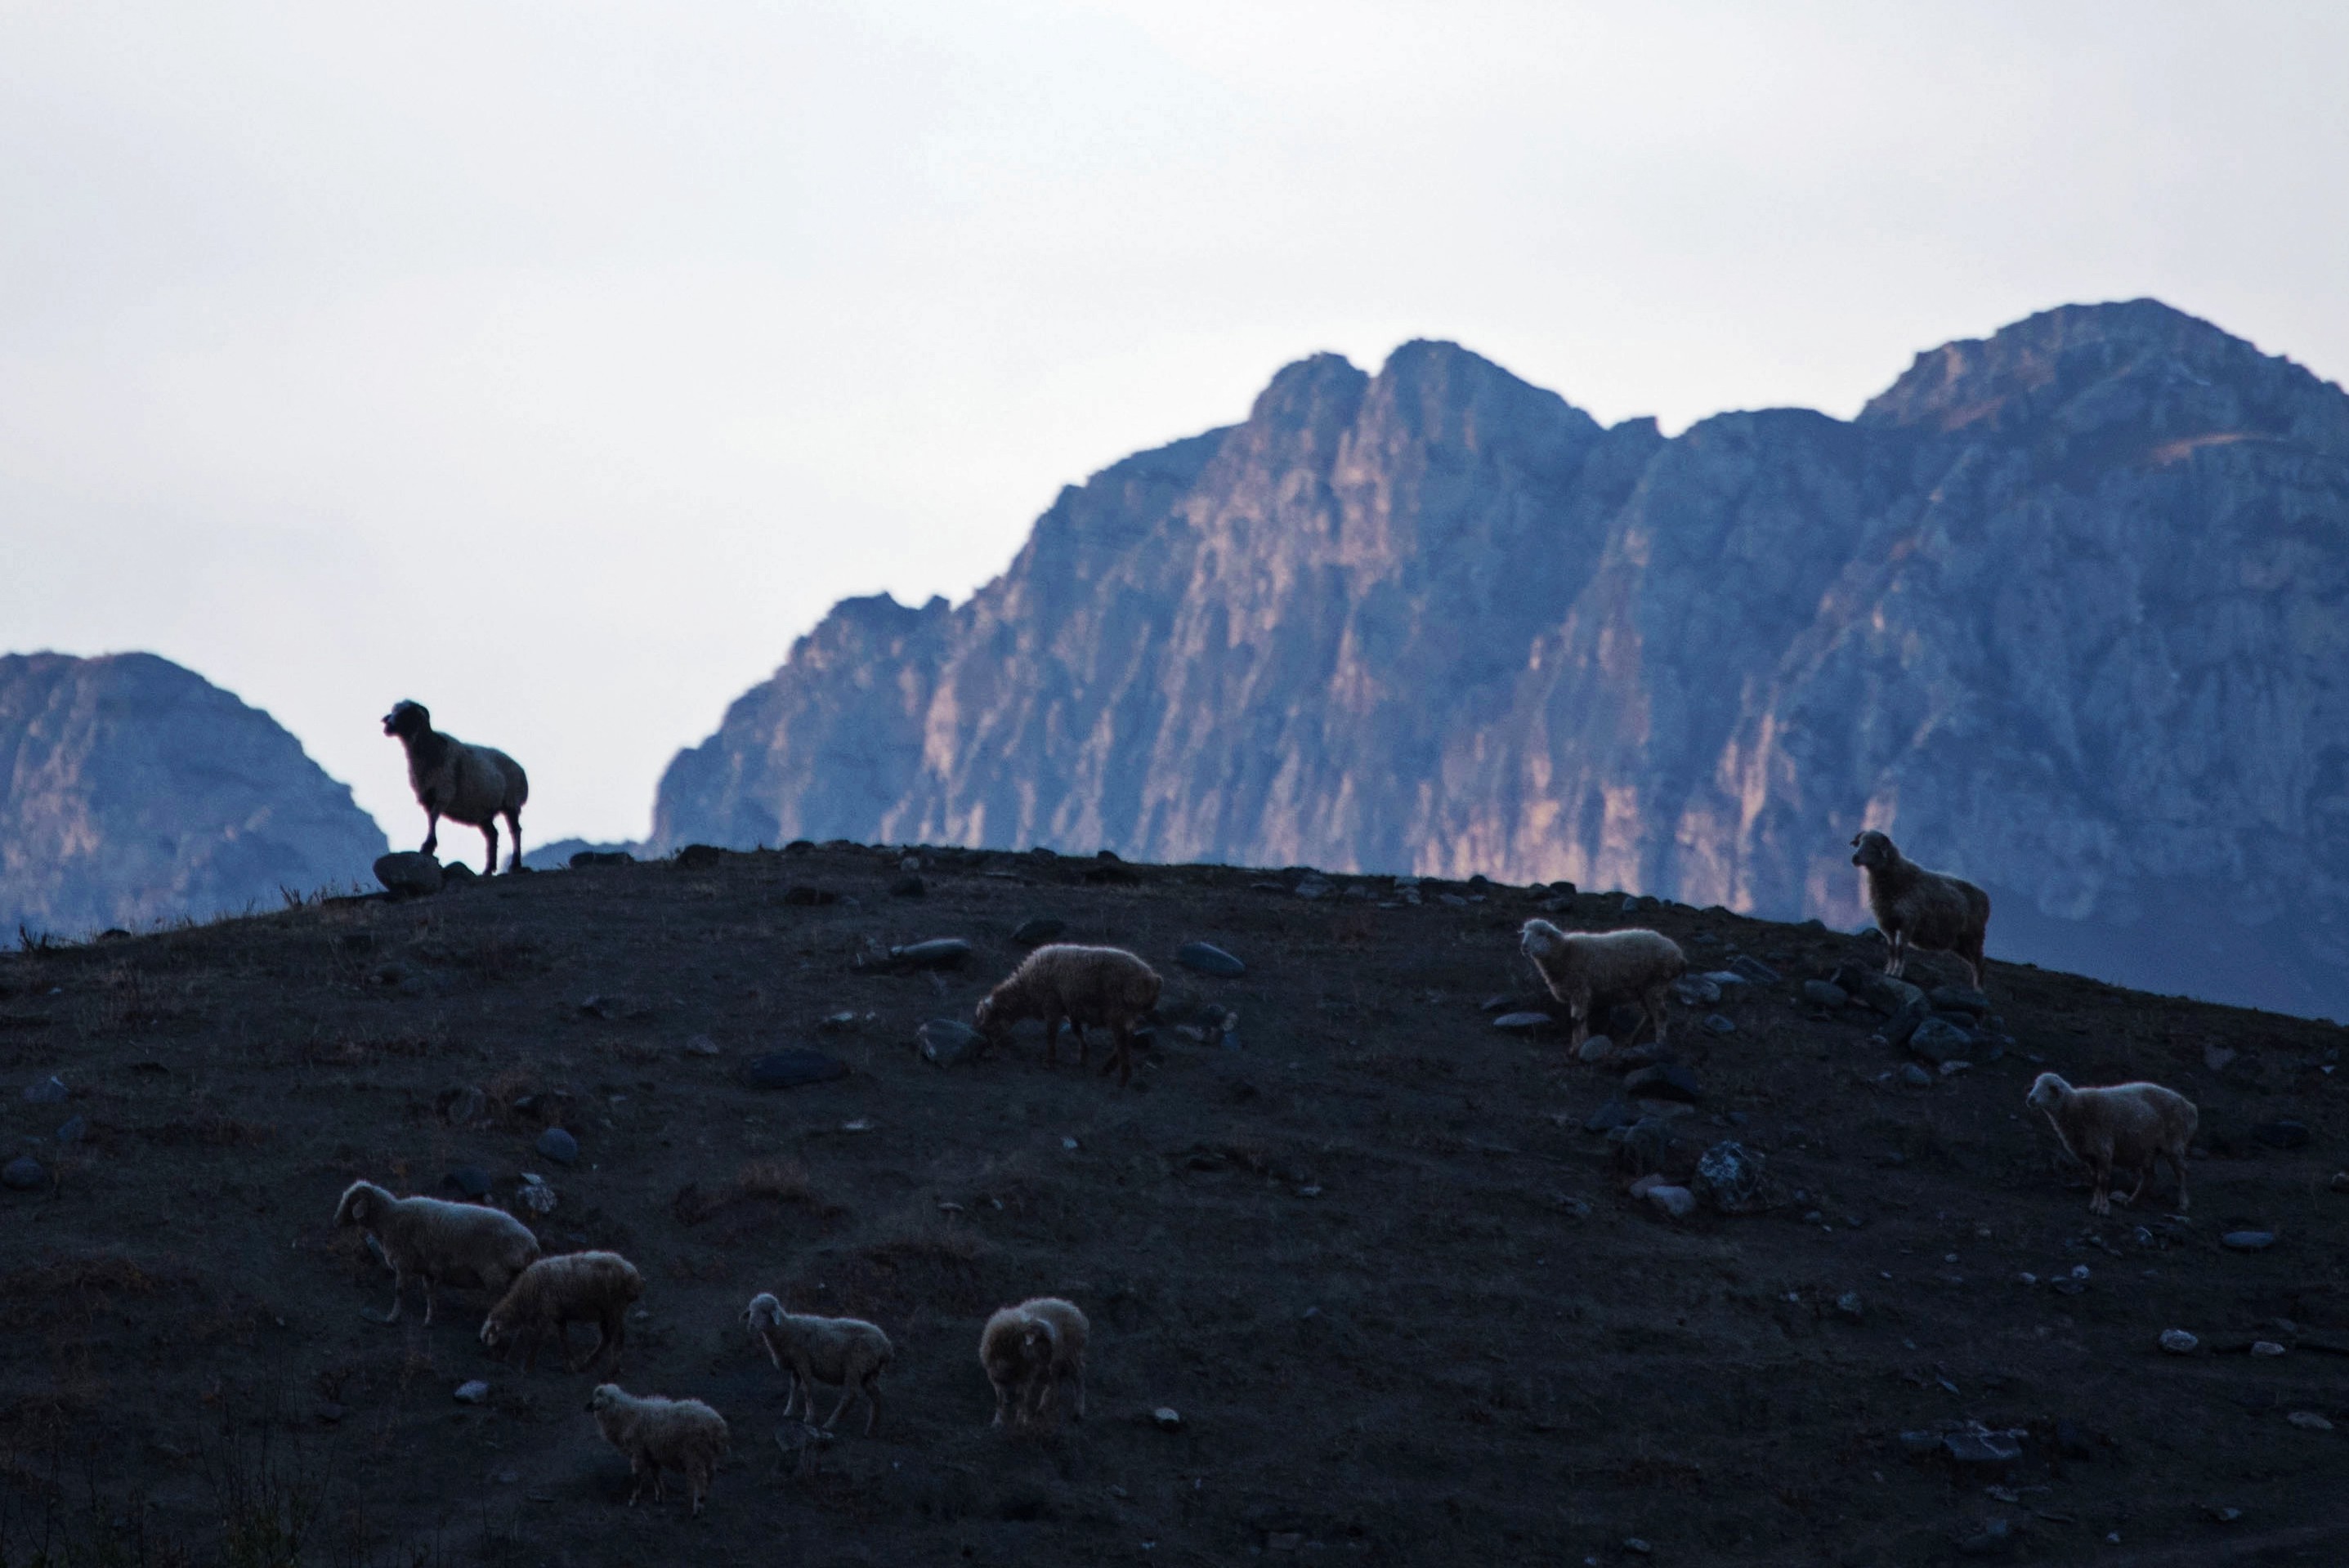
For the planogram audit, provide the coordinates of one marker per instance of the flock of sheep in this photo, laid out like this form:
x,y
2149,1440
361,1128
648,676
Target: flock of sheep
x,y
1030,1350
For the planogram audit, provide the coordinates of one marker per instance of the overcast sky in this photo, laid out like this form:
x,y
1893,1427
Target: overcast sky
x,y
556,365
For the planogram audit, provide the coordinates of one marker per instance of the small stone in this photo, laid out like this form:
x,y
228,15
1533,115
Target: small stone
x,y
1616,1112
1914,1075
456,873
1645,1145
558,1146
1991,1541
700,1046
73,1132
909,886
1715,1024
1826,994
1312,887
2281,1134
1524,1022
464,1105
1848,1303
537,1195
1753,969
835,1023
330,1412
1284,1540
699,857
2178,1342
471,1180
945,1041
857,1124
939,952
1728,982
1664,1080
2217,1057
2309,1421
2341,1181
1729,1176
1978,1445
408,874
1677,1202
2248,1241
1596,1049
1038,929
1958,999
1636,1546
475,1392
1936,1040
801,894
50,1090
586,860
24,1173
1695,991
1952,1068
2266,1347
1206,958
792,1069
1167,1418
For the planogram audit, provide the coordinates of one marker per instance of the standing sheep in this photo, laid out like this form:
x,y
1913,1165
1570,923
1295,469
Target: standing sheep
x,y
1104,985
555,1292
680,1434
437,1241
474,785
1585,968
2125,1127
844,1351
1917,908
1029,1351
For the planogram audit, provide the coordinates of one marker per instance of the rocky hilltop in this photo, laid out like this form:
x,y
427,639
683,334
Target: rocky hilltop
x,y
132,790
2063,609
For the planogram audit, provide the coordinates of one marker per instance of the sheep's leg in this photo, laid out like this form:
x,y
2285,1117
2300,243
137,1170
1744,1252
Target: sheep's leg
x,y
2100,1201
614,1329
847,1392
1084,1047
636,1475
431,828
1000,1404
399,1294
514,831
1121,1057
2177,1158
428,1301
2144,1174
1052,1037
490,832
1078,1372
872,1402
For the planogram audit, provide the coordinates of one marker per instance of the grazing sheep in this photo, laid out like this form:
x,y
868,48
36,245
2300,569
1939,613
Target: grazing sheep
x,y
1918,908
474,785
439,1241
1584,968
1029,1351
680,1434
2125,1127
846,1351
557,1291
1103,985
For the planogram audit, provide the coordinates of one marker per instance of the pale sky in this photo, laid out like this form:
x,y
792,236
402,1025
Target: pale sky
x,y
556,365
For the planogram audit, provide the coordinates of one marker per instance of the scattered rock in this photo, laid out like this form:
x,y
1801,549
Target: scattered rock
x,y
1952,1068
1914,1075
1958,999
537,1195
1677,1202
24,1173
2178,1342
1826,994
1312,886
2309,1421
699,857
50,1090
463,1105
475,1392
1752,968
909,886
2217,1057
2248,1241
1644,1146
1936,1040
2341,1180
471,1180
1616,1112
2281,1134
2266,1347
792,1069
1040,929
1524,1022
700,1046
801,894
1849,1304
939,952
1975,1445
946,1041
1716,1024
1665,1080
1206,958
1995,1537
584,860
1729,1176
558,1146
1167,1418
1695,991
73,1132
408,874
456,873
1596,1049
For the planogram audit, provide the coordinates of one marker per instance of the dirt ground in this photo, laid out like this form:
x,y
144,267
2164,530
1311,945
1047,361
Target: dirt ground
x,y
1401,1301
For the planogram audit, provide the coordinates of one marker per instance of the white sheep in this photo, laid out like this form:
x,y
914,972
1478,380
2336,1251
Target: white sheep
x,y
655,1433
1917,908
2125,1127
557,1291
474,785
1102,986
1029,1350
437,1241
845,1351
1585,968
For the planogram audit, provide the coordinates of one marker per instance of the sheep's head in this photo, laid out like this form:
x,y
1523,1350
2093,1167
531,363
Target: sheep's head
x,y
1872,850
493,1333
607,1396
407,719
764,1312
1539,940
2046,1092
994,1014
357,1205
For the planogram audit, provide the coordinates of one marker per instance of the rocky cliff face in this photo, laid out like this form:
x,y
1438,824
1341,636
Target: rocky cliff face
x,y
2065,611
132,790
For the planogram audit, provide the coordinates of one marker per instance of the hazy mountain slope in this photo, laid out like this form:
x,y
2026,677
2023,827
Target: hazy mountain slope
x,y
2063,609
132,790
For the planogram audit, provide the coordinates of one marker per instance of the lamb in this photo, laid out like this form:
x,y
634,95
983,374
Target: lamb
x,y
1918,908
437,1241
1584,968
557,1291
2125,1126
1103,985
1029,1351
680,1434
846,1351
474,785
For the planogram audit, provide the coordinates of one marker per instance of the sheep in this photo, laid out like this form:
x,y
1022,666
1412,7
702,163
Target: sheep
x,y
2125,1126
846,1351
1584,968
557,1291
1918,908
681,1434
437,1240
1103,985
474,785
1029,1351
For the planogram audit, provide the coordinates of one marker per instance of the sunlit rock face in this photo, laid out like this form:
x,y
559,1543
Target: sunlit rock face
x,y
132,792
2063,610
